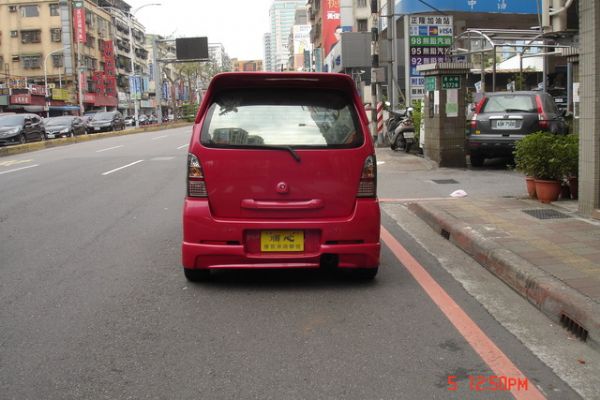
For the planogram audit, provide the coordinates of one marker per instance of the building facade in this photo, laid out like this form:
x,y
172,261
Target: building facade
x,y
246,65
281,14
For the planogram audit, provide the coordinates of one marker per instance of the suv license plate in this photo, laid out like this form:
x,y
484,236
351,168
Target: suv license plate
x,y
281,241
506,124
409,135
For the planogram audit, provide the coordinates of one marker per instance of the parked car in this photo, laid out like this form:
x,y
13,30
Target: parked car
x,y
106,121
21,128
502,118
65,126
88,115
281,174
129,120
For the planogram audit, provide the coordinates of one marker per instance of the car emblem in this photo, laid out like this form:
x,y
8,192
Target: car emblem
x,y
282,188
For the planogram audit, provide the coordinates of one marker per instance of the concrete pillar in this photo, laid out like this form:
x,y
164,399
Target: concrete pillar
x,y
589,134
444,117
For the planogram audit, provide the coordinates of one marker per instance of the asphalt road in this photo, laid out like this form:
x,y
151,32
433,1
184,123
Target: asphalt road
x,y
94,305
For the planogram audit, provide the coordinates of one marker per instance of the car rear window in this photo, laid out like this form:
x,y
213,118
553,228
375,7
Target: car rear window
x,y
510,103
299,118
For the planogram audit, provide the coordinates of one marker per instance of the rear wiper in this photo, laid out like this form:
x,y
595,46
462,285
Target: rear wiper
x,y
285,148
515,110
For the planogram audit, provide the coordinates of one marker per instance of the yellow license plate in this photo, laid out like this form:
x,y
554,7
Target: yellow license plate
x,y
282,241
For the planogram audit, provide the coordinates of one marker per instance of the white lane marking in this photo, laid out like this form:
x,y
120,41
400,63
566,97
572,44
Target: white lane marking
x,y
19,169
181,147
160,137
120,168
110,148
10,163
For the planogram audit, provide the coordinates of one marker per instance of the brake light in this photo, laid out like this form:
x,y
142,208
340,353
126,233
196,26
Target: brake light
x,y
368,178
476,112
196,184
543,119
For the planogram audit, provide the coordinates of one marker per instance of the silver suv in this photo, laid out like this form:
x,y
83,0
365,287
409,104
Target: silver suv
x,y
502,118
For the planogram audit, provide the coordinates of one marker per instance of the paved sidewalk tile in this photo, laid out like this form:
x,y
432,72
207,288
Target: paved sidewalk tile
x,y
567,248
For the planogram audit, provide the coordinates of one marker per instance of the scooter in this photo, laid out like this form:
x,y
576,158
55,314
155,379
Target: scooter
x,y
401,129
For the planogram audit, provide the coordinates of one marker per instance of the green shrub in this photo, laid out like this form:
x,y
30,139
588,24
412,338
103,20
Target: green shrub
x,y
542,155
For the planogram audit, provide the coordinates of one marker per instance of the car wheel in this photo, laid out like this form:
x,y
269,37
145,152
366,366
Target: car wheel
x,y
42,136
71,133
196,275
365,274
477,160
22,139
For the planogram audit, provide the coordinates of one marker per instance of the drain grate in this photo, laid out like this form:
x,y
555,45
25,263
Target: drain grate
x,y
546,213
573,327
444,181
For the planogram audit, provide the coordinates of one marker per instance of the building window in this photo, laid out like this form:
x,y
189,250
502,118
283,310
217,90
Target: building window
x,y
90,41
30,11
57,60
361,3
14,33
56,34
31,36
31,61
362,25
54,10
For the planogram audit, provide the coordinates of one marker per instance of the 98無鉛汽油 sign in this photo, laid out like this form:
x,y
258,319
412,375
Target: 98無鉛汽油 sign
x,y
430,40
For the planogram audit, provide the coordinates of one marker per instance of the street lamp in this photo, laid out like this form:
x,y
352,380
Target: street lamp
x,y
47,94
132,56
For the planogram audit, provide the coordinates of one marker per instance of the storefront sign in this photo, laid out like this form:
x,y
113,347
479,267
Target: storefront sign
x,y
79,22
451,82
430,83
4,92
60,94
478,6
20,99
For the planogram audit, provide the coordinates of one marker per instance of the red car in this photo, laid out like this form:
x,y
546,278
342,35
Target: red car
x,y
281,174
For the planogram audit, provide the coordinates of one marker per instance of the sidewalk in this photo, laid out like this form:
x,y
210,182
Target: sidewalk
x,y
554,262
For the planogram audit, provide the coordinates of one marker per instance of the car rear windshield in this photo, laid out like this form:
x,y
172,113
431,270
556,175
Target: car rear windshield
x,y
510,103
103,116
58,121
298,118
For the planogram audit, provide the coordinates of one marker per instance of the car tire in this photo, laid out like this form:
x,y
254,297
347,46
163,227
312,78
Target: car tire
x,y
71,133
22,139
42,136
365,274
196,275
477,160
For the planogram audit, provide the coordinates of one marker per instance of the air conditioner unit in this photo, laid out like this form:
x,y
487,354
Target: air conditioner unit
x,y
14,34
12,9
51,85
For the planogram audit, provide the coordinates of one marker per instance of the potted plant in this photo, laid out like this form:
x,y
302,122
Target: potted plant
x,y
525,154
542,155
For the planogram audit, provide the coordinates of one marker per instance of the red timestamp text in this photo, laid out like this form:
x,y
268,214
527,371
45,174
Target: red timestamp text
x,y
492,383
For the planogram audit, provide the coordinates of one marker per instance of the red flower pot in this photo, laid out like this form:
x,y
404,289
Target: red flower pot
x,y
530,181
547,191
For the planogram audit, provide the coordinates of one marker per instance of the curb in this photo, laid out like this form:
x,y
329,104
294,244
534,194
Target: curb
x,y
46,144
549,294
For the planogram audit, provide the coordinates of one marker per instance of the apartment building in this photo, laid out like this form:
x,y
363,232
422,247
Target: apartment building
x,y
282,14
36,41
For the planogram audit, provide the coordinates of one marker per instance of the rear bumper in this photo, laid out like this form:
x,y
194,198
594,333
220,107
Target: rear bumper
x,y
217,243
491,147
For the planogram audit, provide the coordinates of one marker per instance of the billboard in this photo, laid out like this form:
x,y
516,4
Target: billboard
x,y
332,24
430,38
477,6
192,48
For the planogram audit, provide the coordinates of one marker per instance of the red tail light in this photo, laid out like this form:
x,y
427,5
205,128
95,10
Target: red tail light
x,y
368,179
476,112
196,184
543,119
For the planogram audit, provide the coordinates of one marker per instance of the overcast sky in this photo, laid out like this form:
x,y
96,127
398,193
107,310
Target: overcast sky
x,y
238,24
